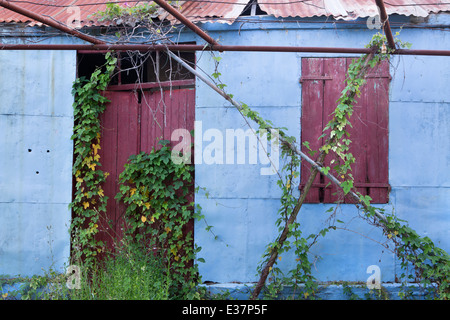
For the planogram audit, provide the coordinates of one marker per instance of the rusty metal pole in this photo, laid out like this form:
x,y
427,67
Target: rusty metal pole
x,y
385,22
193,47
48,21
179,47
186,21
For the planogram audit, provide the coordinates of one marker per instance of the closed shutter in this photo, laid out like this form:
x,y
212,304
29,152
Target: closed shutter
x,y
323,80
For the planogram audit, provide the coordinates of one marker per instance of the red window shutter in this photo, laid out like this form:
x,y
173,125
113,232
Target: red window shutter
x,y
323,80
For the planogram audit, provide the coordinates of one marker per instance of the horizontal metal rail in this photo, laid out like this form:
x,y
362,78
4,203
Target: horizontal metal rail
x,y
221,48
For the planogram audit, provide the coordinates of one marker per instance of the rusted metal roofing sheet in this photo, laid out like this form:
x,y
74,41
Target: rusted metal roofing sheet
x,y
227,11
351,9
220,11
65,11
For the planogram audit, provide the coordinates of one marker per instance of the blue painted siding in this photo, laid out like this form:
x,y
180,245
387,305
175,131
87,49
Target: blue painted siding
x,y
36,121
36,114
242,205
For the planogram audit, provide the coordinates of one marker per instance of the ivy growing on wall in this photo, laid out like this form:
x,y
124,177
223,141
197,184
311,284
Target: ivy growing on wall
x,y
156,192
431,264
89,200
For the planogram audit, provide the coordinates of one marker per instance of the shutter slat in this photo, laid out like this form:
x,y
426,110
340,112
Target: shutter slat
x,y
311,120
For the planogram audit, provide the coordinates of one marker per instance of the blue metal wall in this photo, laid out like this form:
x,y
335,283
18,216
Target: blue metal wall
x,y
36,121
242,205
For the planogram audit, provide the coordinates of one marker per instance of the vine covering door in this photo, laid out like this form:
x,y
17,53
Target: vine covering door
x,y
134,122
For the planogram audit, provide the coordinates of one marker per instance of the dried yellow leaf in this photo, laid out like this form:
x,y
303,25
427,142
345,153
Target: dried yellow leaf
x,y
96,147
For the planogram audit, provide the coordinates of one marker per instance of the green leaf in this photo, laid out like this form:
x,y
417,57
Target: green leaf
x,y
347,186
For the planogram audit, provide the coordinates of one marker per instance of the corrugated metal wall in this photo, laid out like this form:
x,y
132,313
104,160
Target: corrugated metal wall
x,y
36,122
242,205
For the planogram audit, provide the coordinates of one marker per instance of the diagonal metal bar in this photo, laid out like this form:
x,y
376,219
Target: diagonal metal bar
x,y
316,168
179,16
293,147
48,21
385,22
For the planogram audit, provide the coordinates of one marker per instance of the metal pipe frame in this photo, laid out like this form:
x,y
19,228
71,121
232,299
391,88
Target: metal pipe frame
x,y
178,47
385,22
186,21
10,6
190,47
99,45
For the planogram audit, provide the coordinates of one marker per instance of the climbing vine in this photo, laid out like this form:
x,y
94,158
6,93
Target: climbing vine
x,y
154,189
136,20
156,193
430,263
89,201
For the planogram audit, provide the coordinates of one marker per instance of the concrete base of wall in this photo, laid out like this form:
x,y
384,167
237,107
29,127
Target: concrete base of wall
x,y
243,291
388,291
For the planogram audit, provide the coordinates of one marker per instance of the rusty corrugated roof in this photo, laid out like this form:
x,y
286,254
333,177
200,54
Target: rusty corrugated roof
x,y
220,11
66,11
227,11
351,9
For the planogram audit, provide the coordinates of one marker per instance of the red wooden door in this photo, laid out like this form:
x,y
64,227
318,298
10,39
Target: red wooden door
x,y
323,80
133,123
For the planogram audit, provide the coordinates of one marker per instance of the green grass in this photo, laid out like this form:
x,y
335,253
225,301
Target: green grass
x,y
125,276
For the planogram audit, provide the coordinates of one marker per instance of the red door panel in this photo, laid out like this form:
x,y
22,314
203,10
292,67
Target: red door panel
x,y
131,124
